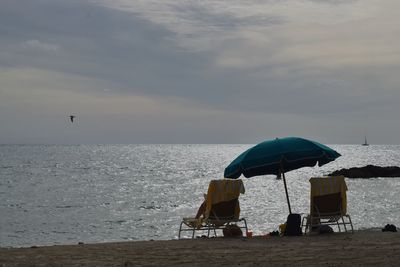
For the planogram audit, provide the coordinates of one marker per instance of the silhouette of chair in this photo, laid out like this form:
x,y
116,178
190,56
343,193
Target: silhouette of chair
x,y
222,208
328,204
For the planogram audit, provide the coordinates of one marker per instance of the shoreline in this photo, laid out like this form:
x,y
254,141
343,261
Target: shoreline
x,y
364,247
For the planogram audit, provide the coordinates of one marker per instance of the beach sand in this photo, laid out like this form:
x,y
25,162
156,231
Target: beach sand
x,y
363,248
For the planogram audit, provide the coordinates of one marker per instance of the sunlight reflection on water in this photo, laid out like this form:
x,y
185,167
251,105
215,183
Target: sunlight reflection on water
x,y
67,194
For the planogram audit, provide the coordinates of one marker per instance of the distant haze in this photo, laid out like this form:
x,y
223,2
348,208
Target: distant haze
x,y
217,71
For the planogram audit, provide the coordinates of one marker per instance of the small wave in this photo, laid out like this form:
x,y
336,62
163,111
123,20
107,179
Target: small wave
x,y
116,222
374,228
68,206
59,232
17,205
6,167
129,238
150,207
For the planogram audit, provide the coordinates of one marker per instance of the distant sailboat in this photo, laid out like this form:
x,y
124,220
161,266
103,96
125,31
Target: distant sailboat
x,y
365,142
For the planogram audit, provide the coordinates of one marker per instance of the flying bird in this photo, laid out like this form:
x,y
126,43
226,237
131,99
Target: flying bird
x,y
72,117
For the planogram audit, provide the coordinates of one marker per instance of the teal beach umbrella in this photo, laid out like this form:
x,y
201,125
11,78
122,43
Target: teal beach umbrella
x,y
279,156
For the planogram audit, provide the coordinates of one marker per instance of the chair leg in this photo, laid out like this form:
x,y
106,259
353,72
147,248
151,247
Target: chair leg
x,y
309,224
338,225
180,230
351,224
245,225
314,224
344,224
304,225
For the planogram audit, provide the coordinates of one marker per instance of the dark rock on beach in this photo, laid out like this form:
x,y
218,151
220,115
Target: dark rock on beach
x,y
369,171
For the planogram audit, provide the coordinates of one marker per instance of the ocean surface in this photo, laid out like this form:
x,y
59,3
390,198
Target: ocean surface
x,y
56,194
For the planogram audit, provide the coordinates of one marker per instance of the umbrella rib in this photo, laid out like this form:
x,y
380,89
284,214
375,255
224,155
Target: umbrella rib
x,y
283,158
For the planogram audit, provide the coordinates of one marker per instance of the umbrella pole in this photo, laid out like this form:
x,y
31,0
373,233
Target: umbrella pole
x,y
287,195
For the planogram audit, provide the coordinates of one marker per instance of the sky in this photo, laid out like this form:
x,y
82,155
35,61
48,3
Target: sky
x,y
213,71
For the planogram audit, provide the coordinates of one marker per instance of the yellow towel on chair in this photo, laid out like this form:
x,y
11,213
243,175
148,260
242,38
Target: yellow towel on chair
x,y
223,190
329,185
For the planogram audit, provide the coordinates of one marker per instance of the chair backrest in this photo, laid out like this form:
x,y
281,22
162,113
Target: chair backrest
x,y
328,195
225,210
327,204
222,198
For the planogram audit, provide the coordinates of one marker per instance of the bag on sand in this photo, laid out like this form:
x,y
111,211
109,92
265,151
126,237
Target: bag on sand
x,y
293,223
325,229
232,230
389,228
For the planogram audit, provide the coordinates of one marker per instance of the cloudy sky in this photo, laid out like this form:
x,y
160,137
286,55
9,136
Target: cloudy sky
x,y
213,71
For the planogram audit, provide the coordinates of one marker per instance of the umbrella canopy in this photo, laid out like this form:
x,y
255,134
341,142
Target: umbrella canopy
x,y
279,156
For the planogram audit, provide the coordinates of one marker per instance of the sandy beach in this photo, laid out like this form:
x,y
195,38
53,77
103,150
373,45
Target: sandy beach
x,y
363,248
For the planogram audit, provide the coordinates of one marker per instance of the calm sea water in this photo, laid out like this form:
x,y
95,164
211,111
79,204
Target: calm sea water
x,y
52,194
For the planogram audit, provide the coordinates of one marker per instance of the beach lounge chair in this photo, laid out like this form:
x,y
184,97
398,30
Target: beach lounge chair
x,y
328,204
222,209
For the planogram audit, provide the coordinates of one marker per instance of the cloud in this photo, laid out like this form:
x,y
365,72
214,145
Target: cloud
x,y
268,66
40,46
200,25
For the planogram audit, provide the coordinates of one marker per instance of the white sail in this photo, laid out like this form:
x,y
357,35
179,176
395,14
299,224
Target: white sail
x,y
365,142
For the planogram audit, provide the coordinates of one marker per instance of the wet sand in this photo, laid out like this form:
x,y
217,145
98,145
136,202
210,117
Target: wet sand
x,y
363,248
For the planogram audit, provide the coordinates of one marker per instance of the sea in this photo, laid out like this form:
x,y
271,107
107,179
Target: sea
x,y
66,194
